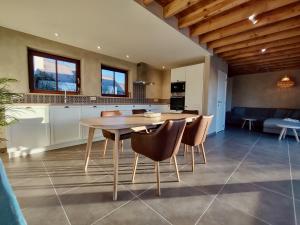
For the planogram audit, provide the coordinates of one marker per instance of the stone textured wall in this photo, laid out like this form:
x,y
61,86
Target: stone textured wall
x,y
260,90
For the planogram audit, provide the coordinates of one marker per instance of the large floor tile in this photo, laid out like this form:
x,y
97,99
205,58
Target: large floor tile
x,y
86,204
178,203
256,201
223,214
140,215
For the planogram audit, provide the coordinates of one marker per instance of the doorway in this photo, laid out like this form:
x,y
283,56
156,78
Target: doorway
x,y
221,101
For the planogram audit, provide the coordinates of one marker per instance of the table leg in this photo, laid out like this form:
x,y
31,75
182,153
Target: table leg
x,y
284,134
296,135
283,130
250,125
88,147
116,164
244,123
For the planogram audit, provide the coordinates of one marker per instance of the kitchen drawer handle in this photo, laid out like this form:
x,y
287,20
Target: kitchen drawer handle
x,y
28,107
66,107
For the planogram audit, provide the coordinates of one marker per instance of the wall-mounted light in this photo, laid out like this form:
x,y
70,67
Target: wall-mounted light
x,y
263,50
285,82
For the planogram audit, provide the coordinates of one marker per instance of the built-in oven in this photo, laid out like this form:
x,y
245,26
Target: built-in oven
x,y
177,87
177,103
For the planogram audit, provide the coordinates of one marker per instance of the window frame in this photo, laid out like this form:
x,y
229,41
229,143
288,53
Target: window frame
x,y
115,69
32,52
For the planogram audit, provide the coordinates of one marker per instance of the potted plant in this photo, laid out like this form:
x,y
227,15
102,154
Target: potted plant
x,y
6,99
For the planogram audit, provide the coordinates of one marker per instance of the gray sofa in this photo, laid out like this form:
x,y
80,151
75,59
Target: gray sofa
x,y
267,118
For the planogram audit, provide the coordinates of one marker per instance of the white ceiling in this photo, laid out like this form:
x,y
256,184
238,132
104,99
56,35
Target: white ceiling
x,y
120,27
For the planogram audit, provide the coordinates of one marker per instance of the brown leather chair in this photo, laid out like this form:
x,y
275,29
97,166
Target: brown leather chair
x,y
196,112
195,134
139,111
159,145
110,136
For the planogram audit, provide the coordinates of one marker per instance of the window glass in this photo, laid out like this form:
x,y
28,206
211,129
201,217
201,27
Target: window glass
x,y
120,83
114,82
66,75
52,74
44,73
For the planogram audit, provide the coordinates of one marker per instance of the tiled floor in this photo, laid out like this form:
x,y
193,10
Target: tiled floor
x,y
250,178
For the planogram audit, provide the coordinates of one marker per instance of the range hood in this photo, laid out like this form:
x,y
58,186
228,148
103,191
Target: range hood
x,y
142,74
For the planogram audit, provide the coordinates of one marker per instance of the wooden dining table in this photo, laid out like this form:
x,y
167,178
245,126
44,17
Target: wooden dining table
x,y
121,125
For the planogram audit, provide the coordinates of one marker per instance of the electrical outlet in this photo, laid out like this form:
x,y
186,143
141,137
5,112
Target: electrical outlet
x,y
93,98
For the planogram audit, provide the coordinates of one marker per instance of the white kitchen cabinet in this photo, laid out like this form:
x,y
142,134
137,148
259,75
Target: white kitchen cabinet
x,y
31,132
178,74
65,125
45,127
91,111
194,87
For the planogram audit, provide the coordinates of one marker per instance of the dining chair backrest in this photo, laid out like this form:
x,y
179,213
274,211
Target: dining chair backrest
x,y
138,111
195,133
110,113
162,143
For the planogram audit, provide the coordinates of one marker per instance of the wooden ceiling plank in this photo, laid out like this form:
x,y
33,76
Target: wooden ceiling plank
x,y
273,63
280,57
255,33
238,73
273,16
253,68
208,10
258,52
147,2
261,40
270,45
238,14
294,56
176,6
267,56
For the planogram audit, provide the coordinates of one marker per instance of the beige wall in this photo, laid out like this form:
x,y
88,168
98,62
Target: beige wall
x,y
166,85
13,63
260,90
211,67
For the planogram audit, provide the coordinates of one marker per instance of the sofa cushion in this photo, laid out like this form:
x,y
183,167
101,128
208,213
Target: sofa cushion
x,y
10,212
272,122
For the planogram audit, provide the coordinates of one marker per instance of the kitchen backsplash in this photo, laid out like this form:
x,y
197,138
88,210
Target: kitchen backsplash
x,y
138,98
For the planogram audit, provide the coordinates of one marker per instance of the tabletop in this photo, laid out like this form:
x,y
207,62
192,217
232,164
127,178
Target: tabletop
x,y
137,120
289,124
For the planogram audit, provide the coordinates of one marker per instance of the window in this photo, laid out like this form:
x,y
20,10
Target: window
x,y
114,82
53,74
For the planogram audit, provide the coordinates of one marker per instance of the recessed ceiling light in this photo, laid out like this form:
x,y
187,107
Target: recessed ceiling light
x,y
127,56
263,50
252,19
98,47
163,67
56,34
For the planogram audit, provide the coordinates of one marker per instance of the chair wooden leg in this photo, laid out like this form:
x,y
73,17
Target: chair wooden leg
x,y
193,158
105,146
157,178
203,152
176,167
135,166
